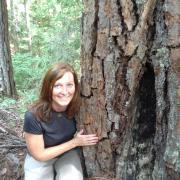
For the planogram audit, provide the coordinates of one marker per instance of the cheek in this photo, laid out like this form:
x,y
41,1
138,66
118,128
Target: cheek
x,y
54,93
72,91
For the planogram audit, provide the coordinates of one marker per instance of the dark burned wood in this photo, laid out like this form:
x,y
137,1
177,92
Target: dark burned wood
x,y
131,88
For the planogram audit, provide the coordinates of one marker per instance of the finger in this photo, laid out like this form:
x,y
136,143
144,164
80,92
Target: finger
x,y
91,144
90,135
92,138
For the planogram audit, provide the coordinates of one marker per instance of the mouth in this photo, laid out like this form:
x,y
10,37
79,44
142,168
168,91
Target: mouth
x,y
64,97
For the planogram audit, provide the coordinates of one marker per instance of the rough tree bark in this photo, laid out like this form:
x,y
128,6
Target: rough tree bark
x,y
131,88
7,84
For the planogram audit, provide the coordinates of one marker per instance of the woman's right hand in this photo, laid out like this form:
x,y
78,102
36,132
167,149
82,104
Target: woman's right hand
x,y
81,139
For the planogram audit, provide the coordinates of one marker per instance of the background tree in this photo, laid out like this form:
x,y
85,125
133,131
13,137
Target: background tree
x,y
27,4
13,26
7,84
131,88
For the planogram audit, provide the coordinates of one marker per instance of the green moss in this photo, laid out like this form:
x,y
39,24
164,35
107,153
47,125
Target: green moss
x,y
163,56
172,156
178,164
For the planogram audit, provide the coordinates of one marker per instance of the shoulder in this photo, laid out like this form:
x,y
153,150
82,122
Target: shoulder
x,y
30,116
31,124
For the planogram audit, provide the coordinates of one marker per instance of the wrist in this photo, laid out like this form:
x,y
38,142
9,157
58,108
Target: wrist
x,y
74,143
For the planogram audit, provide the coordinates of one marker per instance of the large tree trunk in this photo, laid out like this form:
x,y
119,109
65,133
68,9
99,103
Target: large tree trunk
x,y
131,89
7,85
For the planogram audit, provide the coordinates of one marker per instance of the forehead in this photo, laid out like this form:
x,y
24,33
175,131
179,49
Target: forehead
x,y
67,77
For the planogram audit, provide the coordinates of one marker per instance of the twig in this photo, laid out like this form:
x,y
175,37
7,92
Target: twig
x,y
3,130
13,146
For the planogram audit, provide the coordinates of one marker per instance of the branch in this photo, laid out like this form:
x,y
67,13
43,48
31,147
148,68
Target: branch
x,y
13,146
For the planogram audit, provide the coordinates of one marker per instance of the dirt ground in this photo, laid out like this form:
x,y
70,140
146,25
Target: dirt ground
x,y
12,145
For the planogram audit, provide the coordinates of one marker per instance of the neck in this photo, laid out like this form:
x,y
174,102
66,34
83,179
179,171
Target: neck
x,y
59,108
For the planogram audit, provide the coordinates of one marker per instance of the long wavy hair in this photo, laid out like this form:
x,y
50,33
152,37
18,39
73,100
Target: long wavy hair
x,y
43,106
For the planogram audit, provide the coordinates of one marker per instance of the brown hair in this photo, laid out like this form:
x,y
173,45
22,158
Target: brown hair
x,y
43,106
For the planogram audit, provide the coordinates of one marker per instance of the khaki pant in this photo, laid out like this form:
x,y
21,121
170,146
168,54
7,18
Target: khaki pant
x,y
65,167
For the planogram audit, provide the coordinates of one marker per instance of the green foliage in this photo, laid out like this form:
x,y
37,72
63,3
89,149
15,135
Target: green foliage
x,y
55,31
5,102
54,28
28,70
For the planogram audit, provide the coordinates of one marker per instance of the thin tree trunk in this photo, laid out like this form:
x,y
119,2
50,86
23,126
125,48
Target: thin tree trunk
x,y
7,84
27,4
131,88
13,35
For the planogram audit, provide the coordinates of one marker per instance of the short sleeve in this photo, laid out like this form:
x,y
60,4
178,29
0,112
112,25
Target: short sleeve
x,y
31,124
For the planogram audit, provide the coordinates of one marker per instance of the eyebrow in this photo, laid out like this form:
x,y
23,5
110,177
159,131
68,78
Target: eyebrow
x,y
66,82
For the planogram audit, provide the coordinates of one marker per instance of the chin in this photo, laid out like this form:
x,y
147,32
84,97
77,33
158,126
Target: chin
x,y
64,104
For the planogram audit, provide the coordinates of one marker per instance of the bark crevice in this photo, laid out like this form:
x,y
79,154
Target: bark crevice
x,y
146,105
95,24
141,155
135,9
123,24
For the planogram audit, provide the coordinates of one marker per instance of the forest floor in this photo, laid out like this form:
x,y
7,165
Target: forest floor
x,y
11,122
12,145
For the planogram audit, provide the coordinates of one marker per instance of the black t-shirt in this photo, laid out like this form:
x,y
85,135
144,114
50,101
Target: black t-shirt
x,y
58,130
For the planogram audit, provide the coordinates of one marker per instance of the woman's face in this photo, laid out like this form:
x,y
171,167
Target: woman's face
x,y
63,92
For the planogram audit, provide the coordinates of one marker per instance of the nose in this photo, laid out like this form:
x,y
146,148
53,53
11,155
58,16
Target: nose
x,y
64,90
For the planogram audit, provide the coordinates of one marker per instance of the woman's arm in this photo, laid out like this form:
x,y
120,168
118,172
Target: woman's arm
x,y
35,145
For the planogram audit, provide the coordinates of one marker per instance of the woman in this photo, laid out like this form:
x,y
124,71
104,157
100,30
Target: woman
x,y
50,128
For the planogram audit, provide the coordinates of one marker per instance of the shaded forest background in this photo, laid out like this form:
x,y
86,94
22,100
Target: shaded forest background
x,y
40,33
33,35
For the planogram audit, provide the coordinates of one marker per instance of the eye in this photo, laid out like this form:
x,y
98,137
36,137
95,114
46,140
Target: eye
x,y
57,86
70,85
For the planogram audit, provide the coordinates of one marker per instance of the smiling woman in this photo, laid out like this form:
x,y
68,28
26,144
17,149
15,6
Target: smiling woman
x,y
50,128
